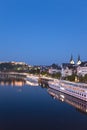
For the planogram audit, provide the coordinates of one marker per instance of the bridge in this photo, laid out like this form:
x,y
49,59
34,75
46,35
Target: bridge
x,y
12,75
29,78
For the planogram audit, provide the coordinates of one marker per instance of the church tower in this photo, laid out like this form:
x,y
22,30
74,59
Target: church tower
x,y
71,60
79,61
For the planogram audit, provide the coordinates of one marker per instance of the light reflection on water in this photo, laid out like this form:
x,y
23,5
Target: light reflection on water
x,y
12,83
24,107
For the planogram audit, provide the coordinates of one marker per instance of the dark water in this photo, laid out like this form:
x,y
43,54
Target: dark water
x,y
33,108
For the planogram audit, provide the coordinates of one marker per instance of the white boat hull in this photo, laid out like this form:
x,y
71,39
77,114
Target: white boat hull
x,y
77,94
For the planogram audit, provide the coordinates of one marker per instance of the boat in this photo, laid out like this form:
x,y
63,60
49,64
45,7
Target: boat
x,y
78,90
32,80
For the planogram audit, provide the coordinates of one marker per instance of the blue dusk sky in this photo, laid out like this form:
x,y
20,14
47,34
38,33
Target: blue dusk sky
x,y
43,31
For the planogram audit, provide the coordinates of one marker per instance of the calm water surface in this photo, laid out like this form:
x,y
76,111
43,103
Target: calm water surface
x,y
33,108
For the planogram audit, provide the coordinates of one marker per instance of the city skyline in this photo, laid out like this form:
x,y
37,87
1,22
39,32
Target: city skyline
x,y
43,32
72,59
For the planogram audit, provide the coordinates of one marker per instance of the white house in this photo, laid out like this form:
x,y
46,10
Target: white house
x,y
67,69
82,69
54,71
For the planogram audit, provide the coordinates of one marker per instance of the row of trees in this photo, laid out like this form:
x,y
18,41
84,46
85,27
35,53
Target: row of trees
x,y
13,67
76,78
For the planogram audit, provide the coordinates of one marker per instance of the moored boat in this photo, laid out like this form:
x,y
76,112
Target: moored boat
x,y
32,80
78,90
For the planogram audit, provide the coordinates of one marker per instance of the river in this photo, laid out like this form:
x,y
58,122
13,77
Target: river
x,y
24,107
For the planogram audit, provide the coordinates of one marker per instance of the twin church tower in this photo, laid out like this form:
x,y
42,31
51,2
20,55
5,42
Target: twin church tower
x,y
78,61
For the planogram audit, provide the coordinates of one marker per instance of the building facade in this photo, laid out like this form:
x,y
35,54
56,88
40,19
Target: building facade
x,y
82,69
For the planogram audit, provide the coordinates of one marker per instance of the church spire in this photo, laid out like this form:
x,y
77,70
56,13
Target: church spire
x,y
71,60
78,57
79,61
